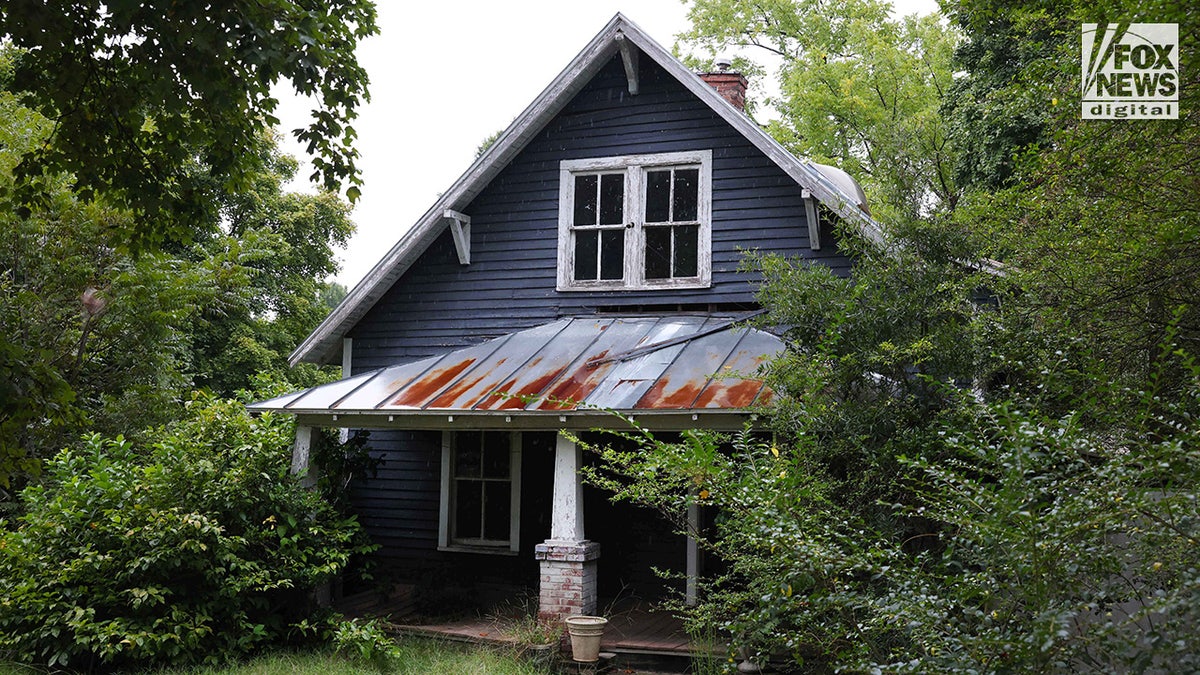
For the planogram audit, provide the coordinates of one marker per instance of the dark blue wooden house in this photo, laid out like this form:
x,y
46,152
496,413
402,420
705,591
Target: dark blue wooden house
x,y
587,262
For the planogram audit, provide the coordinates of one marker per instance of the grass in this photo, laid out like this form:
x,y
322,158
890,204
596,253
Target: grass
x,y
417,656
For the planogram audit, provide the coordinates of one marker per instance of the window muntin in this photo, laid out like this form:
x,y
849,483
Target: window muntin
x,y
672,223
635,222
480,490
598,226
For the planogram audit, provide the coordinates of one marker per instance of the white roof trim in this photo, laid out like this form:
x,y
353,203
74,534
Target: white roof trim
x,y
323,345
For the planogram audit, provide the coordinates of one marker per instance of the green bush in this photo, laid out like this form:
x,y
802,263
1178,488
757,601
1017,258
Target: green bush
x,y
195,548
367,641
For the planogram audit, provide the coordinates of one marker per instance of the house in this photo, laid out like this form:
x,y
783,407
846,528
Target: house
x,y
588,261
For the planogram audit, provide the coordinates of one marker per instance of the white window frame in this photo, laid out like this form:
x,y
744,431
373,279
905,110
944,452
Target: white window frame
x,y
634,168
446,539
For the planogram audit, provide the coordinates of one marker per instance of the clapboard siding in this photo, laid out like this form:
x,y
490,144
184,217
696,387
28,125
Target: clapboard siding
x,y
399,508
510,284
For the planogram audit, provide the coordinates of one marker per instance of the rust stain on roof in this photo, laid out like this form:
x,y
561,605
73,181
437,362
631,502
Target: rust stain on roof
x,y
664,396
451,395
518,401
418,391
500,393
737,393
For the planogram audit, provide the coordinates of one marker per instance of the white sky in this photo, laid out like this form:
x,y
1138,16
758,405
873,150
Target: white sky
x,y
447,74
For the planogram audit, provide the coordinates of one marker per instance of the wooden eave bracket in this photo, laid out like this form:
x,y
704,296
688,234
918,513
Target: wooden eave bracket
x,y
629,56
814,220
460,229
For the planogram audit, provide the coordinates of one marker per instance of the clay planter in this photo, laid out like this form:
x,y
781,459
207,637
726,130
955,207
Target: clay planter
x,y
586,632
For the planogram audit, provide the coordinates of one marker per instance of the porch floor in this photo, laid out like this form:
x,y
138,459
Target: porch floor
x,y
644,640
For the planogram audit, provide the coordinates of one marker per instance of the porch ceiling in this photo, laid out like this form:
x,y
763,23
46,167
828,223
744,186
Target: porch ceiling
x,y
571,368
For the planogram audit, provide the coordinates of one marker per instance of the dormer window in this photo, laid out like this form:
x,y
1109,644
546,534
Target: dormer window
x,y
635,222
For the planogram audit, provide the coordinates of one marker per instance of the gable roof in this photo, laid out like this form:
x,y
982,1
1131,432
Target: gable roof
x,y
574,369
323,345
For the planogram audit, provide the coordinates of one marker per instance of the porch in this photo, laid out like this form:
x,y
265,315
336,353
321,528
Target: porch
x,y
639,637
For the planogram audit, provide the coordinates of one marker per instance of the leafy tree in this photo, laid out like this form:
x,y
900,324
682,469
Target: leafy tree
x,y
196,547
1096,219
95,339
137,91
89,338
859,89
997,106
279,248
1069,543
332,294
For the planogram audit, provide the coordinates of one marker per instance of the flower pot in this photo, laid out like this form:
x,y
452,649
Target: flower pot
x,y
542,656
585,634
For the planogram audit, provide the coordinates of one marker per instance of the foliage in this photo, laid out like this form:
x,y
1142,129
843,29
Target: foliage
x,y
1100,229
275,249
195,547
89,339
864,377
1016,542
1065,549
94,339
366,641
858,89
138,91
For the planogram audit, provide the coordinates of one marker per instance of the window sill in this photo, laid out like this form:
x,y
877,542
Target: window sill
x,y
662,286
485,550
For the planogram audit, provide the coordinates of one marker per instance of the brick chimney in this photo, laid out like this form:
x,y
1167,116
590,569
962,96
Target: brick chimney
x,y
731,86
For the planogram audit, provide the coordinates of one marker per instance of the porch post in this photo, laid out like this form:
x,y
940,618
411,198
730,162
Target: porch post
x,y
691,593
301,459
568,561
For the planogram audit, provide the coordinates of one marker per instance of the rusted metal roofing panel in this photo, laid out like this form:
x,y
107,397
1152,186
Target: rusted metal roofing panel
x,y
733,384
679,385
480,390
581,378
631,364
540,369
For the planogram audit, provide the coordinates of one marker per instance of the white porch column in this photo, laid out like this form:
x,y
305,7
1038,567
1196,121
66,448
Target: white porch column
x,y
347,364
566,520
301,456
693,556
568,561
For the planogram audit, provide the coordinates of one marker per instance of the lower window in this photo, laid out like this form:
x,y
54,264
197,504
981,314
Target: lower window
x,y
481,488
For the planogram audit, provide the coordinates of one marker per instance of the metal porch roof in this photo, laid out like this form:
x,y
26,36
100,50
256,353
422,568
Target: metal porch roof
x,y
632,365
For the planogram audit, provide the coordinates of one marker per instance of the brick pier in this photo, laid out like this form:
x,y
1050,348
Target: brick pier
x,y
568,579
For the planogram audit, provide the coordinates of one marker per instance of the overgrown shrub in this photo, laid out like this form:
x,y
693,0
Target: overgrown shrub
x,y
194,548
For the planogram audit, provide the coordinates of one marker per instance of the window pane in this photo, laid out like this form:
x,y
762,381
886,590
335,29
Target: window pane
x,y
686,250
467,461
687,188
658,252
612,198
585,200
498,506
585,254
658,196
496,450
612,254
468,507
